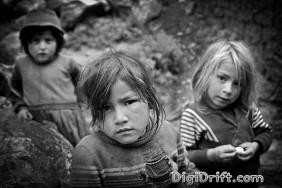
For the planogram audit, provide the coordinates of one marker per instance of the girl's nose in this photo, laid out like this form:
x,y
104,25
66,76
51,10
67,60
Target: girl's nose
x,y
42,45
227,89
120,116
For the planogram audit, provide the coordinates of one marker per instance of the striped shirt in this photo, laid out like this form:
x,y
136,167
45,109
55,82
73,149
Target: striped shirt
x,y
201,131
193,126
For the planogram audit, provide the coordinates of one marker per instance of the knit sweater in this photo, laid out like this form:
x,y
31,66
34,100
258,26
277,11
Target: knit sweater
x,y
52,83
201,131
99,161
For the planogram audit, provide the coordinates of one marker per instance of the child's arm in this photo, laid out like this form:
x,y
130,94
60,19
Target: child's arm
x,y
75,70
262,130
83,172
16,95
262,140
190,136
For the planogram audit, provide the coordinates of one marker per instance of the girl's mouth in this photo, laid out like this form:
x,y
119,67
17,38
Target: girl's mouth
x,y
124,130
223,99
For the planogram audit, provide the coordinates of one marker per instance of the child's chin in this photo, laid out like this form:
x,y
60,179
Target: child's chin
x,y
42,62
127,141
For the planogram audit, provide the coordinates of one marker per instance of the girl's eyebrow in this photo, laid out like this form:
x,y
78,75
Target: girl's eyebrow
x,y
222,73
129,96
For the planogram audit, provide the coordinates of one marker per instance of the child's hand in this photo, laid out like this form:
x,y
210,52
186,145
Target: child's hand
x,y
250,149
222,153
24,114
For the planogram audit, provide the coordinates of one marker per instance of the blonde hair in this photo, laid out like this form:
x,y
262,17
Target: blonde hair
x,y
239,53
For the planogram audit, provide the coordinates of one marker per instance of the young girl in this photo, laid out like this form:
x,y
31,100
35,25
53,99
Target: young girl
x,y
44,79
223,116
132,145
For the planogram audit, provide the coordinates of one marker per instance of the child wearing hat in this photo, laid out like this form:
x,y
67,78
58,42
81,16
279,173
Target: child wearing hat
x,y
45,80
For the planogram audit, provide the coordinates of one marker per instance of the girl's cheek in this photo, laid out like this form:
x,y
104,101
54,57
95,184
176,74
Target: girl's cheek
x,y
135,107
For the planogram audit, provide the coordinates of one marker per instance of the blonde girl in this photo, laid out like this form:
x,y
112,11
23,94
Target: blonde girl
x,y
223,130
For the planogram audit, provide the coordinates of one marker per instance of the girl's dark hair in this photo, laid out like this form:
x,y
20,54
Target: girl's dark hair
x,y
102,73
28,33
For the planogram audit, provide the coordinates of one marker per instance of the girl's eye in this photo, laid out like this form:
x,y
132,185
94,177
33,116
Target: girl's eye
x,y
35,40
107,108
129,102
221,78
238,84
49,40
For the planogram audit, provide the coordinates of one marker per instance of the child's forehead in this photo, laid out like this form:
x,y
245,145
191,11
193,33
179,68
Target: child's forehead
x,y
132,87
229,67
123,82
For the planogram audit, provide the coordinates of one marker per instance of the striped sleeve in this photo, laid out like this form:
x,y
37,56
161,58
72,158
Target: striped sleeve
x,y
258,120
262,131
192,127
83,173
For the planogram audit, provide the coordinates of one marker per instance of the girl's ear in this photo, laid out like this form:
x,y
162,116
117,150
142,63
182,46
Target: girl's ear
x,y
94,128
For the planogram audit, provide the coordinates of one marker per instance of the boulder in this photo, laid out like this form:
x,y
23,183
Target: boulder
x,y
32,154
10,47
140,11
146,10
74,12
25,6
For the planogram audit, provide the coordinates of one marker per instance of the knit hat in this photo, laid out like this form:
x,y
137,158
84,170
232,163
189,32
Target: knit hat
x,y
42,17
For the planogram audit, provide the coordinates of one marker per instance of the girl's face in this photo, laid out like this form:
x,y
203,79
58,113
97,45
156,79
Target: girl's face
x,y
126,115
224,88
43,47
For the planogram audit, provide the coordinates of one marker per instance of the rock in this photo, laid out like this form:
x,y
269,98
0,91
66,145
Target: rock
x,y
55,4
7,3
70,13
32,154
146,10
141,11
10,47
74,12
25,6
